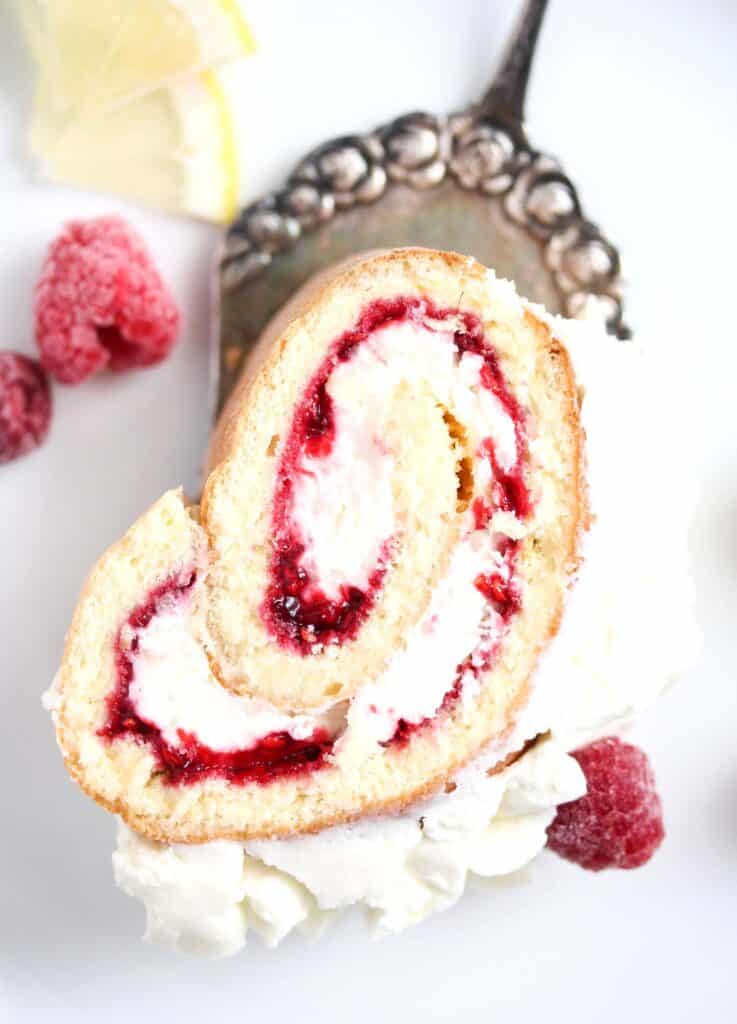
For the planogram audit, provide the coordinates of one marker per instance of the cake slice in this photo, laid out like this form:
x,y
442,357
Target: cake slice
x,y
389,526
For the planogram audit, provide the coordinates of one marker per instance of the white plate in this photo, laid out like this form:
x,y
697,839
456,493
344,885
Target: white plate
x,y
640,100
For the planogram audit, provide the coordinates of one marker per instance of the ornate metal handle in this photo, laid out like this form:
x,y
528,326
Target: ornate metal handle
x,y
484,148
504,100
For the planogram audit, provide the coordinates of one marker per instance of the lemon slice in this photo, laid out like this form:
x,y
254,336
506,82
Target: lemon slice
x,y
97,54
174,148
33,21
127,100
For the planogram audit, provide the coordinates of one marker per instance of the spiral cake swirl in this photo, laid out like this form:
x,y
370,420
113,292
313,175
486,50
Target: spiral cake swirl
x,y
357,607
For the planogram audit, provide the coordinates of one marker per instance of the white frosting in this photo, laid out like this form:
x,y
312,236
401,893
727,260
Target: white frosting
x,y
204,899
629,625
51,698
424,355
174,689
343,502
627,630
193,894
344,505
458,620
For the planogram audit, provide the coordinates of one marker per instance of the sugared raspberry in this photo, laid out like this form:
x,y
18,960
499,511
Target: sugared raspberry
x,y
25,405
619,822
100,302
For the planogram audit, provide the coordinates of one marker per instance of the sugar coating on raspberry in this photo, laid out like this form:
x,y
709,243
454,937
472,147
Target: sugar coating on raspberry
x,y
25,405
619,822
100,302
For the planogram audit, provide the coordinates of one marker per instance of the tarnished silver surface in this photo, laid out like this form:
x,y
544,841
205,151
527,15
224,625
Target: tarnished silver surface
x,y
470,182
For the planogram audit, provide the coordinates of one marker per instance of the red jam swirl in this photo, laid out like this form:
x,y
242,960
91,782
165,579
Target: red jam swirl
x,y
274,756
295,610
502,593
297,613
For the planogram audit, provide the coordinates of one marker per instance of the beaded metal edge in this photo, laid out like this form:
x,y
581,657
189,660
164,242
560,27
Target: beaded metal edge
x,y
420,150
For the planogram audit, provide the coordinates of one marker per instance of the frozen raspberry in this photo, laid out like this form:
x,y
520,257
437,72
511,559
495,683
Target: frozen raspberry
x,y
100,302
619,822
25,405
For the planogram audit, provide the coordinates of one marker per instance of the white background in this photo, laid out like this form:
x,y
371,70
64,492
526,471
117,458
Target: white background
x,y
639,100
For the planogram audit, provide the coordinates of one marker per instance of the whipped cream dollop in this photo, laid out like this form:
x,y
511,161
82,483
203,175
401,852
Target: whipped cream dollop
x,y
205,899
627,630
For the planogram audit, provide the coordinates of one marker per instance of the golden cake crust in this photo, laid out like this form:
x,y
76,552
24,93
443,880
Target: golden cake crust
x,y
173,534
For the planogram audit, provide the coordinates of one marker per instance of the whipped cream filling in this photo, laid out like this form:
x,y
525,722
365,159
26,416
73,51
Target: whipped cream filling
x,y
343,501
343,506
173,688
458,621
627,630
424,355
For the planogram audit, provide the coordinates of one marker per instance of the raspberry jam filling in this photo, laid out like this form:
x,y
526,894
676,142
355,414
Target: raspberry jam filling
x,y
502,594
274,756
296,610
303,610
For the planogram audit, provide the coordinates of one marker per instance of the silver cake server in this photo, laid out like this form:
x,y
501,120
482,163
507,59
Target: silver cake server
x,y
471,181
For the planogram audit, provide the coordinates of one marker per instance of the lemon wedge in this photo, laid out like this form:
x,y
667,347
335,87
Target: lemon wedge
x,y
97,54
174,148
128,100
